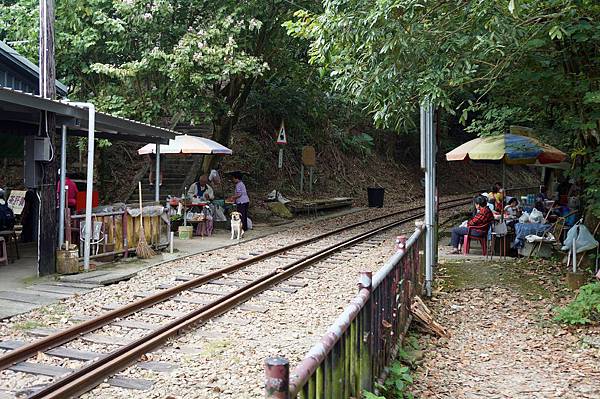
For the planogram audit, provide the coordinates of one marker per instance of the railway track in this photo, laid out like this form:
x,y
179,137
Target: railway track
x,y
207,295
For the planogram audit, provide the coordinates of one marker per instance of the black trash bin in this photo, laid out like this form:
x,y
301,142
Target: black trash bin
x,y
375,196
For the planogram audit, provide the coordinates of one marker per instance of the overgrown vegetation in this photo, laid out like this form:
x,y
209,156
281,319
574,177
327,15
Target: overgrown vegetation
x,y
329,68
491,63
399,379
396,385
585,308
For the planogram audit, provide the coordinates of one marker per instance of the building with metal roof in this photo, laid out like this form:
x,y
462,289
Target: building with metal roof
x,y
17,72
21,116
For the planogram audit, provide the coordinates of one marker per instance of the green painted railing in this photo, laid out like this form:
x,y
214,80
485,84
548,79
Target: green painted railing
x,y
363,340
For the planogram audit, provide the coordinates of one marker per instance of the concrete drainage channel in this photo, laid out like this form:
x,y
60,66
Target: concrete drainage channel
x,y
244,277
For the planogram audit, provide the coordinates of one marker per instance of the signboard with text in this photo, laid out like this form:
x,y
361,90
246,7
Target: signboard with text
x,y
16,201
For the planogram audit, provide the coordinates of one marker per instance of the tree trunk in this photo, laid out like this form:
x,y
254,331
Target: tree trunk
x,y
237,92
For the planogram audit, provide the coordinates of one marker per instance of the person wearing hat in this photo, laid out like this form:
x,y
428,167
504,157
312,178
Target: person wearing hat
x,y
242,201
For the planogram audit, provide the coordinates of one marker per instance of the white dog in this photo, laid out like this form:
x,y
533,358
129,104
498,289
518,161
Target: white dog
x,y
236,225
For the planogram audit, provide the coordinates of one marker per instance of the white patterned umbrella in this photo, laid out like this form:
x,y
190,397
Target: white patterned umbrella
x,y
186,144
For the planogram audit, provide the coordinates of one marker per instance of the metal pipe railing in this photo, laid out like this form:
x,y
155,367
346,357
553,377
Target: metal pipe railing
x,y
364,339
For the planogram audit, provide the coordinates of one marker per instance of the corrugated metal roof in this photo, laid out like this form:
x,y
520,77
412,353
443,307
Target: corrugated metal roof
x,y
26,66
20,104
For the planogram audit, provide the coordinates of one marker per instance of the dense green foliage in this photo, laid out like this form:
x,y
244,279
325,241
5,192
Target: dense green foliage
x,y
585,309
492,62
489,63
152,60
396,384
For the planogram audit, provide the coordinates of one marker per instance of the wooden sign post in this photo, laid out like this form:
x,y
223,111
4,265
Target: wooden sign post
x,y
309,158
281,141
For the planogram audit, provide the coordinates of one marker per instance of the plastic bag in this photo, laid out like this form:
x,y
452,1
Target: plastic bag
x,y
500,228
272,197
524,218
219,215
584,240
536,216
249,223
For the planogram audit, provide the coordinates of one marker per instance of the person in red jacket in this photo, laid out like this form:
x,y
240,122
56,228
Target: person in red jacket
x,y
71,195
479,224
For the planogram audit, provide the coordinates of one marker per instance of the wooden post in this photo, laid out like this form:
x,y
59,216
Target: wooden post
x,y
48,227
277,378
301,178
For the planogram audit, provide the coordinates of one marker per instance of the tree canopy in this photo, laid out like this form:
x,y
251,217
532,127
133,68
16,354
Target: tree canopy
x,y
491,62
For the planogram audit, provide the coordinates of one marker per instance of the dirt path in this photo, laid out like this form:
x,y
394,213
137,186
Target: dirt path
x,y
503,343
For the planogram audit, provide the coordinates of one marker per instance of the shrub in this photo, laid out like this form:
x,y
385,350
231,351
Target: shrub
x,y
585,309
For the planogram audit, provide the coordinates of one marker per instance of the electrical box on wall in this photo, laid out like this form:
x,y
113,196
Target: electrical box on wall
x,y
33,170
41,149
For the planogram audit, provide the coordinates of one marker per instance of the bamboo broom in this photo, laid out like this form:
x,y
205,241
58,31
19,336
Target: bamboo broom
x,y
143,250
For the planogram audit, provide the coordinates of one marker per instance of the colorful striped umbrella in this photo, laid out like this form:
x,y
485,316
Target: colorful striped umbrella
x,y
511,149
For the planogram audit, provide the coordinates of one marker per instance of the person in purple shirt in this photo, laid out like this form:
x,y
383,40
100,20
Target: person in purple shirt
x,y
241,198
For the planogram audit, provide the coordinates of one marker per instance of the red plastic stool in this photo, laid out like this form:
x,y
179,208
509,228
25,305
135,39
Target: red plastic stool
x,y
468,237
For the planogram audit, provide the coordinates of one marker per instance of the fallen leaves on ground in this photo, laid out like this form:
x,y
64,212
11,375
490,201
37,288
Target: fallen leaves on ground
x,y
504,344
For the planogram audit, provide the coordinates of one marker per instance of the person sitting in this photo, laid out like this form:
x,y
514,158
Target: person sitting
x,y
542,195
497,196
479,224
511,211
71,194
201,189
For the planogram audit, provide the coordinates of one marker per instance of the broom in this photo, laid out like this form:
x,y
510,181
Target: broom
x,y
143,250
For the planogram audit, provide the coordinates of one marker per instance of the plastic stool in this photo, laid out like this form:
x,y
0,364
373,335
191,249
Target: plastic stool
x,y
467,244
4,256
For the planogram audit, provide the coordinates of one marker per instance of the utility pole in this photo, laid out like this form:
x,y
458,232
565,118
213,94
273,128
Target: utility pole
x,y
48,228
428,158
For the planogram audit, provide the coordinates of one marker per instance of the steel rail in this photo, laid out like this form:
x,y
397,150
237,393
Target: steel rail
x,y
26,351
89,376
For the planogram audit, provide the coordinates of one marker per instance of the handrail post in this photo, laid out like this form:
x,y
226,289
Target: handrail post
x,y
365,336
421,254
125,239
277,378
68,221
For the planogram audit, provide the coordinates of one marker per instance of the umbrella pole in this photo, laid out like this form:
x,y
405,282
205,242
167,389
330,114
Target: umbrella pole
x,y
504,179
504,190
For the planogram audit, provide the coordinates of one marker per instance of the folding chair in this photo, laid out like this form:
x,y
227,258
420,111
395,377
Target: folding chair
x,y
11,235
498,231
96,239
559,226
